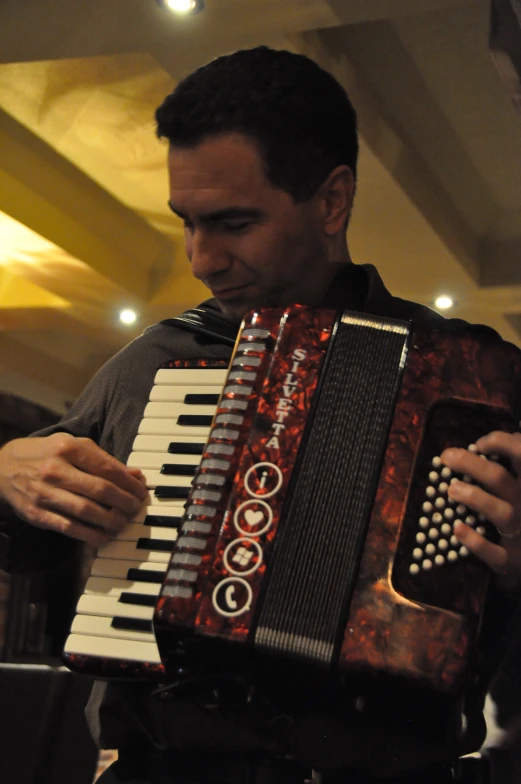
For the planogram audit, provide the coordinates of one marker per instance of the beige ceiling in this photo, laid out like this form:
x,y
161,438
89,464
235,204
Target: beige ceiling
x,y
84,225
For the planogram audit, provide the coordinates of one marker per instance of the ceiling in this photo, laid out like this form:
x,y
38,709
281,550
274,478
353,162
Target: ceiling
x,y
84,225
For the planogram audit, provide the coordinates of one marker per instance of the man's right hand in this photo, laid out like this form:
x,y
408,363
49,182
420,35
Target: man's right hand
x,y
70,485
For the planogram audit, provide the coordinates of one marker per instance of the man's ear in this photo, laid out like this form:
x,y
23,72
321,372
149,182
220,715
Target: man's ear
x,y
336,198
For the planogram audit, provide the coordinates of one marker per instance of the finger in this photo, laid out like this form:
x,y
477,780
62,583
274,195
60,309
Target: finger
x,y
80,508
138,474
505,444
491,475
493,555
87,456
498,511
59,472
49,520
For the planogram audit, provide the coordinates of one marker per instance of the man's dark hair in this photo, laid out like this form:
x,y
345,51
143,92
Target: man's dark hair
x,y
299,115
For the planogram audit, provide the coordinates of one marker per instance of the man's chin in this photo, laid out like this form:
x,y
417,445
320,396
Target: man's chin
x,y
235,311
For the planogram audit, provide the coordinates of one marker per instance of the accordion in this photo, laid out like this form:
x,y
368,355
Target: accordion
x,y
317,528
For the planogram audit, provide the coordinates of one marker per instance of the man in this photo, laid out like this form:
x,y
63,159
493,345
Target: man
x,y
262,164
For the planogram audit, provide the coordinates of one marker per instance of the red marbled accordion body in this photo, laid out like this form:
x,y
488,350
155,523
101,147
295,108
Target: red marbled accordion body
x,y
445,389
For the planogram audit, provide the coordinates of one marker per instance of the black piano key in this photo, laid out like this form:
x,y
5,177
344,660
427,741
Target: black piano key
x,y
163,521
161,545
145,576
143,599
132,624
194,420
201,400
171,492
178,470
185,449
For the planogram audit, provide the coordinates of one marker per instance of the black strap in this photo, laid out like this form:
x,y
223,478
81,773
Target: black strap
x,y
206,322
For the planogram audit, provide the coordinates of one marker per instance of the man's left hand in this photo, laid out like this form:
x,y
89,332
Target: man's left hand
x,y
498,498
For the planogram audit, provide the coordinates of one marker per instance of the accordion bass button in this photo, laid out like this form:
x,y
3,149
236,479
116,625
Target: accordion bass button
x,y
220,449
215,465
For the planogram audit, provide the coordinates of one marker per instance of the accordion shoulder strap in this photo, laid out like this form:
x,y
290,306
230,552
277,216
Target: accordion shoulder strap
x,y
206,322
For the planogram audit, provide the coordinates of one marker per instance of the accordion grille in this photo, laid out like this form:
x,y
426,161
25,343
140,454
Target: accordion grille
x,y
315,562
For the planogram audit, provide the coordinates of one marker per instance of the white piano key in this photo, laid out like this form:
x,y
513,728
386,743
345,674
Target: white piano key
x,y
175,509
112,608
109,607
134,531
126,650
194,377
100,627
118,568
128,551
155,478
160,443
158,459
104,586
151,499
177,394
151,426
175,410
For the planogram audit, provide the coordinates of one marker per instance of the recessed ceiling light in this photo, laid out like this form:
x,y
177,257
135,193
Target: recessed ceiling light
x,y
443,302
182,6
128,316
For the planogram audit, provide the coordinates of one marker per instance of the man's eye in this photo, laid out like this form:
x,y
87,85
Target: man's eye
x,y
237,226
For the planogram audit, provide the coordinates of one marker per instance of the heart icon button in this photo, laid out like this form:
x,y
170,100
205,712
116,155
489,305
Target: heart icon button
x,y
253,517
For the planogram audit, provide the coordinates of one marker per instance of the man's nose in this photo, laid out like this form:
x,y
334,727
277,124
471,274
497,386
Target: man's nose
x,y
207,255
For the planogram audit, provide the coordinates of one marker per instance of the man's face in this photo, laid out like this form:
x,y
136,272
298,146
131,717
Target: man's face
x,y
246,240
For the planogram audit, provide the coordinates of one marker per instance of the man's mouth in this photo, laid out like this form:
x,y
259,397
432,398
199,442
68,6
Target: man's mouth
x,y
229,292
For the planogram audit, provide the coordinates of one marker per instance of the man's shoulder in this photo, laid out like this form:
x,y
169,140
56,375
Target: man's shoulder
x,y
425,316
174,338
382,303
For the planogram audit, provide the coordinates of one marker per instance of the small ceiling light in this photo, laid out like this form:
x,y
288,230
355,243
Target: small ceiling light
x,y
182,6
443,302
128,316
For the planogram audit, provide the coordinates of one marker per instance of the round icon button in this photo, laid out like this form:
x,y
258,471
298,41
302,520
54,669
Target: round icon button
x,y
263,480
232,597
253,518
242,556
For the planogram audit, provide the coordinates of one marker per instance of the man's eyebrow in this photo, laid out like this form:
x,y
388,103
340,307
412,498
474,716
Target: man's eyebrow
x,y
228,213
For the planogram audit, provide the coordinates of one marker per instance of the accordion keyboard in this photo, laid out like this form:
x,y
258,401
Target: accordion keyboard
x,y
114,614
